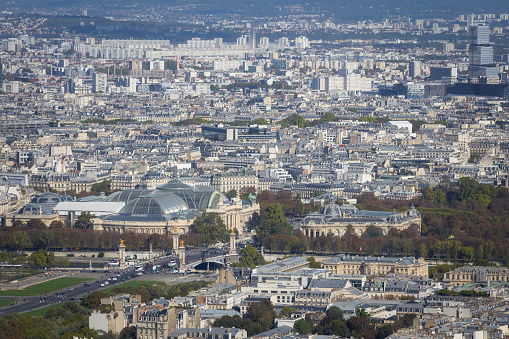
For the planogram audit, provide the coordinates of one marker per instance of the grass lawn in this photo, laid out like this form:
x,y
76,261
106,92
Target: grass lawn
x,y
45,287
134,283
42,311
5,302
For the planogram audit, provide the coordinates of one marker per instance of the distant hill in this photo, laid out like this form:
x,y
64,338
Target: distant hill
x,y
344,10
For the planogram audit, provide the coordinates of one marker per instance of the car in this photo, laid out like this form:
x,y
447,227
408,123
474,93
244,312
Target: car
x,y
102,285
139,273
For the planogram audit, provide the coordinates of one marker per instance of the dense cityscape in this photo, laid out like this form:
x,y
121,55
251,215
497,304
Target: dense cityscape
x,y
254,170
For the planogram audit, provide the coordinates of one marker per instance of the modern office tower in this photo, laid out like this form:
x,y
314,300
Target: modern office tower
x,y
415,69
470,20
481,53
318,84
252,38
444,74
99,81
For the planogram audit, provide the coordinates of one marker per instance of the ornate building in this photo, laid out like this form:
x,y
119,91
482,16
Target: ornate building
x,y
336,219
484,275
41,207
172,205
235,180
376,266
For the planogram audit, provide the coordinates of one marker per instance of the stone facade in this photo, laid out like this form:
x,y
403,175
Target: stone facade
x,y
337,220
477,274
376,266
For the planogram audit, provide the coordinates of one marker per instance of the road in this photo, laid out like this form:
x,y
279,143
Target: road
x,y
30,303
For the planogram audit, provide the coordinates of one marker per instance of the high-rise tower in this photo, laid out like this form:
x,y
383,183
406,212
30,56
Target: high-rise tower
x,y
481,53
252,38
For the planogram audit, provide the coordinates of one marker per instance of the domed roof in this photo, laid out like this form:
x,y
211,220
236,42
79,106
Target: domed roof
x,y
394,218
197,198
332,210
36,209
127,195
51,198
175,185
154,205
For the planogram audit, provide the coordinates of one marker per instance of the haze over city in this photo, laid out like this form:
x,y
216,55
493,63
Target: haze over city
x,y
254,169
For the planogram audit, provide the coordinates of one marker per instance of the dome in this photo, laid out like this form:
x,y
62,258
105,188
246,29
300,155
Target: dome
x,y
35,209
198,198
50,198
332,210
394,218
154,205
127,195
413,212
66,197
313,219
175,185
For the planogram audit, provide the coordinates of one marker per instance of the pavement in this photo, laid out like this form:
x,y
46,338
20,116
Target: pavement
x,y
98,281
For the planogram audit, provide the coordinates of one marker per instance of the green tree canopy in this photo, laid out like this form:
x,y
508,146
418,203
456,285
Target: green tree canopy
x,y
303,326
84,220
211,227
274,222
41,258
313,263
250,257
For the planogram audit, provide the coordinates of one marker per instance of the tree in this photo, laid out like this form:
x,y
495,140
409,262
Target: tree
x,y
254,222
303,326
104,186
274,222
372,231
20,240
56,224
334,313
467,253
294,119
337,327
65,263
384,331
41,258
259,317
227,321
211,227
313,263
287,311
84,220
36,223
25,326
250,257
231,194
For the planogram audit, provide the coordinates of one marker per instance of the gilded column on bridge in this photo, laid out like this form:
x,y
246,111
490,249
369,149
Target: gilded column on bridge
x,y
182,255
121,254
